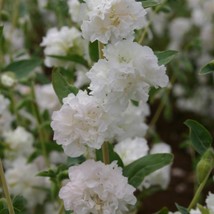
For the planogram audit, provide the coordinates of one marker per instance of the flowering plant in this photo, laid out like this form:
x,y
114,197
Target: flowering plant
x,y
76,97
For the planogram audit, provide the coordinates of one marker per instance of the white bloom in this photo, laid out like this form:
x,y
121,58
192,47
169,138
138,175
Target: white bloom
x,y
5,115
46,98
131,121
130,150
80,123
127,73
20,142
97,188
197,211
61,43
210,202
184,25
8,79
22,180
112,20
81,78
77,10
160,177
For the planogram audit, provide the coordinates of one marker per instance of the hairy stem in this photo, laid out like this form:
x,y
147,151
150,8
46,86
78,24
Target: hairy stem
x,y
5,189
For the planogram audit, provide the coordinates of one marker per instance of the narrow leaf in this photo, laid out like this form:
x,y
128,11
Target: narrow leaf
x,y
164,57
150,3
208,68
182,210
23,68
93,51
1,32
137,170
72,58
200,137
61,87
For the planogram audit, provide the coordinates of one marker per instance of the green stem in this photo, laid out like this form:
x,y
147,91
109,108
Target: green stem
x,y
61,208
41,133
15,13
5,189
161,105
100,46
105,152
198,192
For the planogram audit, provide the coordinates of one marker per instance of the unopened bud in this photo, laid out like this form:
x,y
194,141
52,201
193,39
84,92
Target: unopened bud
x,y
205,165
8,79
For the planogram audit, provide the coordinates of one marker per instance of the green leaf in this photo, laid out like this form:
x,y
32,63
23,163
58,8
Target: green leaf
x,y
1,32
61,87
164,57
200,137
181,209
112,155
150,3
164,210
47,173
75,161
208,68
137,170
72,58
19,203
93,51
4,211
23,68
203,210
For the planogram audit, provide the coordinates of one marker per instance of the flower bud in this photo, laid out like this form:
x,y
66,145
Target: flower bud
x,y
205,165
8,79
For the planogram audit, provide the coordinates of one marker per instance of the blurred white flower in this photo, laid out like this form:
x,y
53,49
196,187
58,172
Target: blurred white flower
x,y
80,123
20,143
61,43
8,79
97,188
46,98
77,10
160,177
127,73
22,180
112,20
81,78
210,202
176,37
130,150
5,116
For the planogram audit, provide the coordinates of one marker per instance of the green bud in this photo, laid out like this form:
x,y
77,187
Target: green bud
x,y
3,203
205,165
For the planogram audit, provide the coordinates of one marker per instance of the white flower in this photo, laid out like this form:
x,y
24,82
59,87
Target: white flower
x,y
112,20
210,202
8,79
61,43
46,97
130,150
20,143
80,123
22,180
161,176
81,78
127,73
197,211
5,115
131,121
77,10
176,36
97,188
